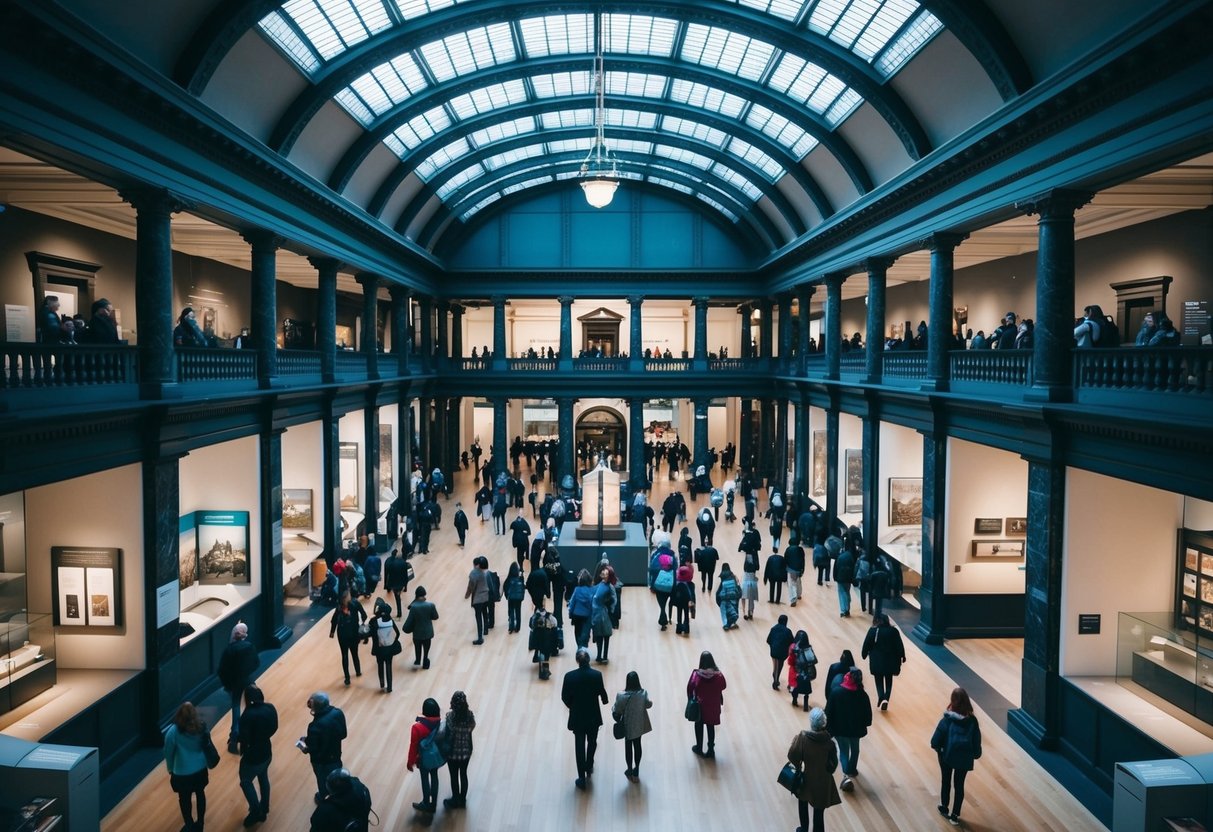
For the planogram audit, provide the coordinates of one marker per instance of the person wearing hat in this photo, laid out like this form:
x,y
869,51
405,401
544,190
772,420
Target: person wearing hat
x,y
420,622
102,329
187,332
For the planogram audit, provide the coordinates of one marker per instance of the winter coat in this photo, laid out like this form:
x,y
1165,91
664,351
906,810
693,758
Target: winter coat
x,y
793,558
395,573
957,739
706,558
238,664
257,724
632,709
478,587
780,639
345,623
539,585
884,650
600,617
848,711
844,568
708,687
460,733
421,729
814,754
324,735
776,571
581,604
420,620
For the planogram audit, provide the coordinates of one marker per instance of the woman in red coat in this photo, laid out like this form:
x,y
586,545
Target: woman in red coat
x,y
428,722
707,684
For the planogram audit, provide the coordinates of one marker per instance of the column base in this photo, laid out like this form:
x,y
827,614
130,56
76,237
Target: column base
x,y
934,385
699,365
1028,732
564,365
1049,393
924,633
635,365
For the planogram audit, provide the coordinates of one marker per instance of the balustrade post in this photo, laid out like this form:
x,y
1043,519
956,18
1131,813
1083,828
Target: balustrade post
x,y
154,208
636,336
565,359
370,322
873,364
326,316
942,246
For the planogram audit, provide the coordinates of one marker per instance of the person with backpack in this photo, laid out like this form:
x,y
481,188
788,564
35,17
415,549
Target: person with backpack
x,y
520,538
849,711
455,744
478,593
957,742
682,599
538,546
396,577
345,625
1089,329
385,643
420,623
501,504
774,576
728,593
685,545
631,710
515,591
837,670
346,807
883,649
814,756
705,559
1167,335
542,643
793,558
372,570
864,564
780,640
823,554
460,522
603,601
661,574
425,755
581,607
802,668
438,483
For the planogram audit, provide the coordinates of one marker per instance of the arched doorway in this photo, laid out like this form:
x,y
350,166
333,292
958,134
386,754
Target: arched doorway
x,y
602,430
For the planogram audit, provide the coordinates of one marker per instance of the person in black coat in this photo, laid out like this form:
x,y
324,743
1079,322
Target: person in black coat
x,y
258,724
849,713
520,538
396,577
581,693
101,328
705,559
539,586
236,668
834,675
957,741
706,524
885,653
780,640
794,561
538,546
323,741
460,522
346,620
774,575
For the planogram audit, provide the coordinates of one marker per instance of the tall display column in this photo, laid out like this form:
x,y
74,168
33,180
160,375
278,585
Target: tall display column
x,y
443,347
457,332
785,333
745,447
264,248
871,475
804,299
565,359
568,440
273,633
162,565
636,472
400,329
804,441
326,316
154,209
1053,337
453,439
939,328
370,322
832,456
781,444
425,309
330,499
873,358
833,321
1039,715
700,434
499,357
636,335
424,426
370,463
699,361
934,618
747,330
501,448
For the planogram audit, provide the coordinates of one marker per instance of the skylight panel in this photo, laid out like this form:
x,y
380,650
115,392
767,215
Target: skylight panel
x,y
727,51
459,180
669,183
317,26
522,186
757,158
417,129
843,106
632,119
640,84
737,181
487,99
443,157
707,183
706,98
881,27
732,217
567,118
283,34
504,130
924,27
561,84
787,133
637,34
479,206
354,106
694,130
469,51
810,85
686,156
786,9
410,9
630,146
512,156
560,34
384,87
570,146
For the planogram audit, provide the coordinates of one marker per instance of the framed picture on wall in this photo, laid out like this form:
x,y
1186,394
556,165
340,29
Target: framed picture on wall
x,y
297,509
347,471
853,495
998,548
223,547
819,463
187,553
1017,526
385,457
905,501
987,525
86,587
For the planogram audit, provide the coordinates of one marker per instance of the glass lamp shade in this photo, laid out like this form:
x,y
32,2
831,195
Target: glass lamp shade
x,y
599,192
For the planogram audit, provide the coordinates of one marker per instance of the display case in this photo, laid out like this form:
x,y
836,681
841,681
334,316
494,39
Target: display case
x,y
27,658
1194,587
1173,663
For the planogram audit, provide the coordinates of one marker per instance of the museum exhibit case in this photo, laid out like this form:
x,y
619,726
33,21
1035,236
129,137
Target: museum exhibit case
x,y
1171,662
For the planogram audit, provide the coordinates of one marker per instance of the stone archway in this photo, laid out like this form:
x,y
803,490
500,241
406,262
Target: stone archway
x,y
603,429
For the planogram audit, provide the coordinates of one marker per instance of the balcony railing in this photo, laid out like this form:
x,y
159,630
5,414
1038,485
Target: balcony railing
x,y
206,364
539,365
1187,370
351,364
61,365
905,366
600,365
667,365
992,366
851,363
738,365
298,363
476,365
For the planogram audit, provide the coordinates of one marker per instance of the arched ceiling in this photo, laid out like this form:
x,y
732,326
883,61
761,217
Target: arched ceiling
x,y
459,104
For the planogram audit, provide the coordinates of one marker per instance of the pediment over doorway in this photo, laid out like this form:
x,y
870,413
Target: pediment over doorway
x,y
600,314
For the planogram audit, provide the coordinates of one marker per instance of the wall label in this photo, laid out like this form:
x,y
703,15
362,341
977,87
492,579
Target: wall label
x,y
1088,624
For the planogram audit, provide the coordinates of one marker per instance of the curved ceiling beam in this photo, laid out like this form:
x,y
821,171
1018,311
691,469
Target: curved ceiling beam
x,y
655,106
982,33
444,174
223,27
353,62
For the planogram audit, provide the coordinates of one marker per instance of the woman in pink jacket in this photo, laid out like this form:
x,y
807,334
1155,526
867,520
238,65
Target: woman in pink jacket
x,y
707,685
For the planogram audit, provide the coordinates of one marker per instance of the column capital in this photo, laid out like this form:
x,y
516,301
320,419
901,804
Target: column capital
x,y
1056,203
745,309
369,281
261,238
455,307
943,240
878,265
398,292
700,301
160,200
834,279
565,300
498,301
635,300
324,264
426,301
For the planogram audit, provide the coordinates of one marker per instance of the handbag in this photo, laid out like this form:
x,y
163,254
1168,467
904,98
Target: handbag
x,y
791,778
620,731
209,750
692,710
364,632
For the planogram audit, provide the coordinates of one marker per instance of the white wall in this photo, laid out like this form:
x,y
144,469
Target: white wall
x,y
350,428
12,518
724,330
1198,514
900,456
982,482
303,460
850,435
718,427
1120,540
99,510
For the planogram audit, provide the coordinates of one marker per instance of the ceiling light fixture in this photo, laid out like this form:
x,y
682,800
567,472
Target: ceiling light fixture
x,y
599,172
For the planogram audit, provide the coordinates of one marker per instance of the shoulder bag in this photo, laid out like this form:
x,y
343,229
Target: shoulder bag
x,y
692,711
791,778
209,751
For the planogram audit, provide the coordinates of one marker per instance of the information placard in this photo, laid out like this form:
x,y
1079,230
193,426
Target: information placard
x,y
86,586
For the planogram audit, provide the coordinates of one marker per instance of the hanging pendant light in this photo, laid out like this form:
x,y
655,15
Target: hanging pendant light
x,y
599,172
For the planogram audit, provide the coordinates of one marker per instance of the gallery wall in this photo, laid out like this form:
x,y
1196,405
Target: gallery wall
x,y
850,436
351,428
12,532
900,456
987,483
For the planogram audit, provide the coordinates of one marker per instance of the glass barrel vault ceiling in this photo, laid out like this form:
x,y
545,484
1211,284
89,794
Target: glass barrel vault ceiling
x,y
466,139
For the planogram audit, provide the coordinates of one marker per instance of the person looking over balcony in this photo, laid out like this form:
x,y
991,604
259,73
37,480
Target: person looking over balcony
x,y
187,333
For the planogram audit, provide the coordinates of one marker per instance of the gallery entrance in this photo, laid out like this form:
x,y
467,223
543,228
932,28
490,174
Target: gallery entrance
x,y
600,332
602,430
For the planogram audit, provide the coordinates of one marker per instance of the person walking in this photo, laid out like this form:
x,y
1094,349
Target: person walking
x,y
425,725
844,574
632,710
581,692
478,592
236,668
706,523
460,522
186,762
661,575
458,726
420,623
886,653
538,583
749,583
728,593
581,607
514,590
706,686
837,670
347,620
258,724
543,641
705,559
520,539
682,599
849,713
793,558
323,741
396,577
604,600
957,742
774,576
802,668
813,754
385,643
780,640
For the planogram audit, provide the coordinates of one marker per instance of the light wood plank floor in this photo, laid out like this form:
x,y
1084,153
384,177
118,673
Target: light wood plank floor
x,y
522,771
997,660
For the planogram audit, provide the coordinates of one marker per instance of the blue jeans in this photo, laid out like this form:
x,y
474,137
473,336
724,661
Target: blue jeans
x,y
728,612
844,597
848,753
261,773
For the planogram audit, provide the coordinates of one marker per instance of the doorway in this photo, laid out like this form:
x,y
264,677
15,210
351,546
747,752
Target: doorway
x,y
601,430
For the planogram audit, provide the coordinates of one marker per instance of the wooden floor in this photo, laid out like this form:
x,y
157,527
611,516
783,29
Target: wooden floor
x,y
522,771
996,660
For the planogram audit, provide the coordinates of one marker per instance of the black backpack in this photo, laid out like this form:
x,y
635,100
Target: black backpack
x,y
1109,335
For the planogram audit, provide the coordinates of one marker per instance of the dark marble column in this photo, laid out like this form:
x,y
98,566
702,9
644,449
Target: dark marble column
x,y
568,440
273,633
1053,337
326,316
263,248
636,472
370,322
747,330
781,444
939,328
370,463
329,504
700,434
933,621
154,314
501,441
766,334
804,300
161,538
873,363
636,335
1039,715
400,328
499,356
804,444
454,440
404,447
766,436
745,445
785,332
832,458
438,437
833,323
456,331
699,360
425,425
871,476
425,310
565,361
444,345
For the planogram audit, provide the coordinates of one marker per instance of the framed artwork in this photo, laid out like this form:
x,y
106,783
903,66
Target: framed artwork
x,y
347,470
819,463
1194,590
86,586
853,495
297,509
1017,526
223,547
187,553
385,457
905,501
987,525
998,548
345,338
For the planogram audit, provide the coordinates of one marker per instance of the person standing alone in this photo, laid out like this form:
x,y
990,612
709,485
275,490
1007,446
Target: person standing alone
x,y
582,691
957,741
258,724
236,668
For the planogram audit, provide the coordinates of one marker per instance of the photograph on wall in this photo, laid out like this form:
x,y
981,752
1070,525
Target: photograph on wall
x,y
85,586
905,501
1206,564
1190,586
819,463
297,509
1192,559
998,548
345,338
987,525
347,471
853,502
1017,526
1206,618
223,547
187,552
1206,591
385,457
